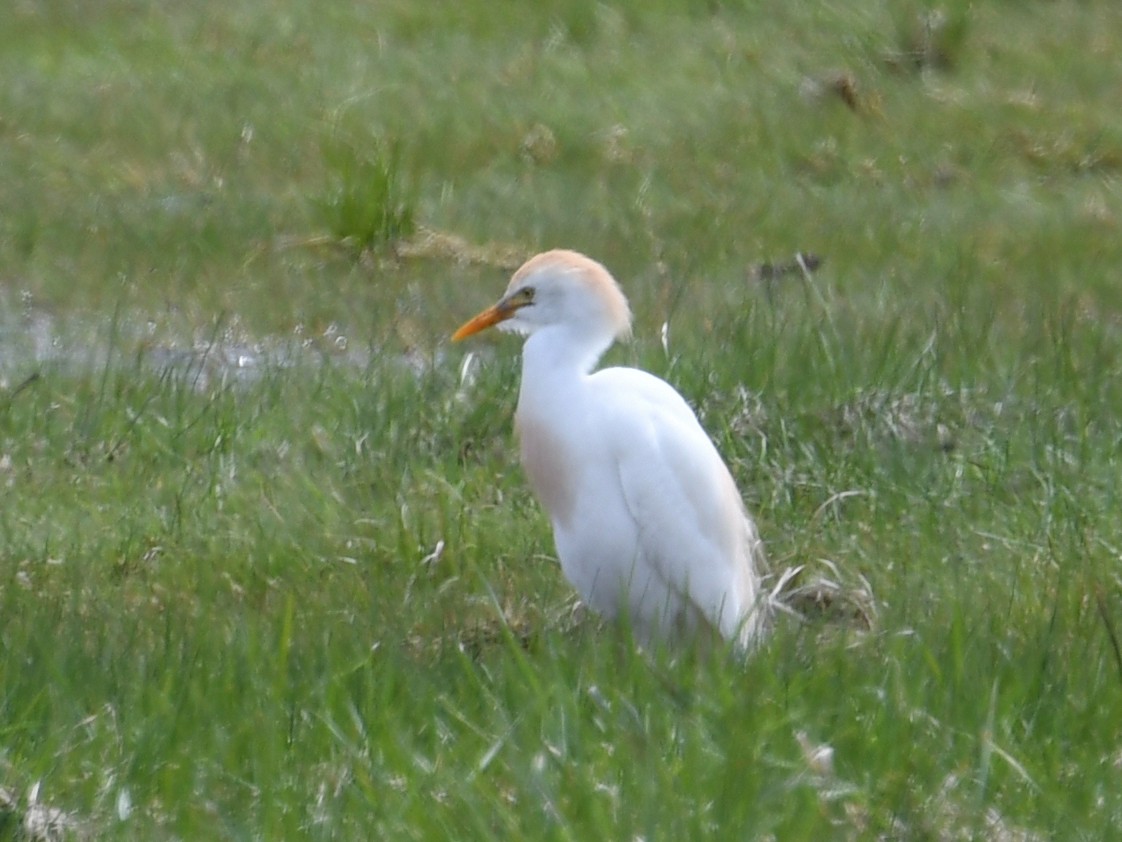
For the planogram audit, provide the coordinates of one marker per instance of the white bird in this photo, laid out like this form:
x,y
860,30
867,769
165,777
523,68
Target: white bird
x,y
647,520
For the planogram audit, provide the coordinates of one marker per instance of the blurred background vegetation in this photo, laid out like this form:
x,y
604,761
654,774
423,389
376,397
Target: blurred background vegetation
x,y
268,568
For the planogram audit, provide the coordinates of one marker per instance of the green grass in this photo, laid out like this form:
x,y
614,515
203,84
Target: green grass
x,y
367,205
312,598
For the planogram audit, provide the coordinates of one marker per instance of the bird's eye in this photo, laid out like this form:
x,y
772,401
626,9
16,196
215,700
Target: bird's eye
x,y
526,295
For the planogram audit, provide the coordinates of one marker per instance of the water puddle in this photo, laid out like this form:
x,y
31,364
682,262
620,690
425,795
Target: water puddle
x,y
32,339
35,339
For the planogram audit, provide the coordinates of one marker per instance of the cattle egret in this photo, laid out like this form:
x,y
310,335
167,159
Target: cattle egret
x,y
647,520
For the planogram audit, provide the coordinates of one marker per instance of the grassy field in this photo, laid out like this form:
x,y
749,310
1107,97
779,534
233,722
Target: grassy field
x,y
268,567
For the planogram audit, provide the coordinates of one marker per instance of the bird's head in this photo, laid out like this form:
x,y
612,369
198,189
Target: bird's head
x,y
558,289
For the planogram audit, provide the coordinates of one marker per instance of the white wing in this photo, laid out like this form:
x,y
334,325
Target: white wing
x,y
693,530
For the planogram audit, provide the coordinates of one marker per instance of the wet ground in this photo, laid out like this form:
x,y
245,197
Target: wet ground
x,y
33,340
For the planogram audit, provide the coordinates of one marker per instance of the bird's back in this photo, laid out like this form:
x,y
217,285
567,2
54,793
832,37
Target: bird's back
x,y
654,523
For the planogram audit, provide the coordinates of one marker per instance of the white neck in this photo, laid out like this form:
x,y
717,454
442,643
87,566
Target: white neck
x,y
561,349
555,359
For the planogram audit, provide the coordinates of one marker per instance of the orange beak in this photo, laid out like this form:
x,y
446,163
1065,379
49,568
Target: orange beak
x,y
488,318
